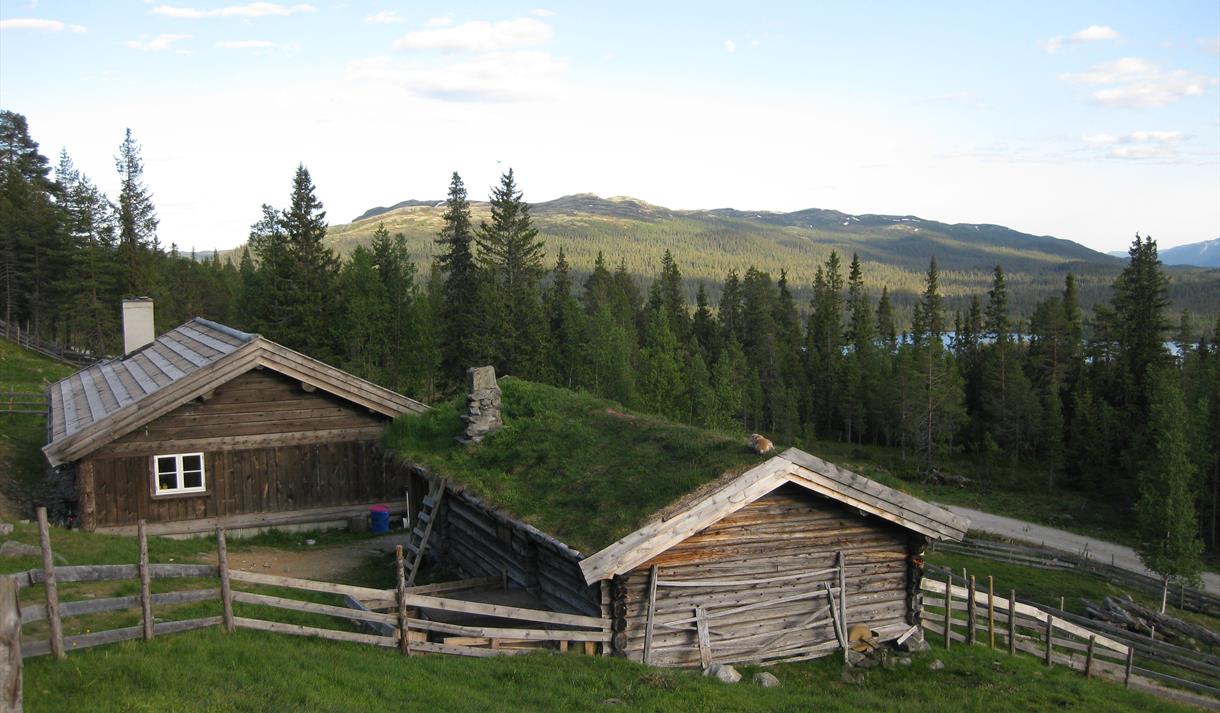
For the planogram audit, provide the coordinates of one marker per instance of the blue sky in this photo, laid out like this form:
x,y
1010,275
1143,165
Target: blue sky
x,y
1088,121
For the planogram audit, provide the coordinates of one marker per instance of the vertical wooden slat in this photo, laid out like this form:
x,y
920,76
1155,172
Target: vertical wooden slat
x,y
404,630
10,645
705,645
146,615
648,621
991,609
52,593
948,611
1088,661
1050,630
1130,663
843,601
1012,622
226,589
86,488
972,613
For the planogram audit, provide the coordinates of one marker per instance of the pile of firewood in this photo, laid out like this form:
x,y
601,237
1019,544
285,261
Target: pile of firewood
x,y
1131,616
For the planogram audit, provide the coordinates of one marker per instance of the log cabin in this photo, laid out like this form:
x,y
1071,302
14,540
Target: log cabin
x,y
694,548
207,426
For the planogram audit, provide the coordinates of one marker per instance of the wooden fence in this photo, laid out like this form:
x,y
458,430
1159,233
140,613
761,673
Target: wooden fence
x,y
392,613
1184,597
58,352
1004,622
23,402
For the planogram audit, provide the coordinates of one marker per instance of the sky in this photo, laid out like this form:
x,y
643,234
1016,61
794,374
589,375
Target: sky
x,y
1089,121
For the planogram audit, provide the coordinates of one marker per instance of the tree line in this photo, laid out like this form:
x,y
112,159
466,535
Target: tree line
x,y
1118,403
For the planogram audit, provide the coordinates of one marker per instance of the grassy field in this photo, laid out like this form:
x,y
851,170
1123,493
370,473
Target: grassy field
x,y
21,435
250,671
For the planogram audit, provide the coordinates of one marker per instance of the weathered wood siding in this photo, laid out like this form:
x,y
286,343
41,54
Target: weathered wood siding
x,y
268,446
483,543
785,532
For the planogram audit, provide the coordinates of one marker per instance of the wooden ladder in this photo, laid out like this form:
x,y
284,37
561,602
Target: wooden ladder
x,y
417,540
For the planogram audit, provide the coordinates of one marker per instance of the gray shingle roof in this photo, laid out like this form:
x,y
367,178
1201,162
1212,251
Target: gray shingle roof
x,y
92,394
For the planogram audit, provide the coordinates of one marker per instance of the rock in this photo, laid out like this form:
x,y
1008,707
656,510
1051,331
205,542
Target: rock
x,y
868,662
903,660
6,528
936,665
766,680
722,672
18,549
853,677
915,644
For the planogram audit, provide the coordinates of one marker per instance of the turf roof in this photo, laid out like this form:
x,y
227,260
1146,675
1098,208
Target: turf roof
x,y
578,468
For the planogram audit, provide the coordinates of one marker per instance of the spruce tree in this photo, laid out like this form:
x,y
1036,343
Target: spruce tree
x,y
137,221
310,311
460,289
940,391
511,255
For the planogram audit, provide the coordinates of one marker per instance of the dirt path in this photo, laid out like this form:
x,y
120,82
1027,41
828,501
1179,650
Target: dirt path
x,y
327,564
1100,550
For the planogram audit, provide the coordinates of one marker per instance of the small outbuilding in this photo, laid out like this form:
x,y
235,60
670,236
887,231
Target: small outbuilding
x,y
207,426
693,549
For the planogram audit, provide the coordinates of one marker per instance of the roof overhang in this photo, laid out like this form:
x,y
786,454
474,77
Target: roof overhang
x,y
792,466
258,352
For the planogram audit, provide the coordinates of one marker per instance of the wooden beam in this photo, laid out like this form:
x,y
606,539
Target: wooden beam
x,y
10,646
648,621
238,575
266,519
56,641
146,615
226,589
705,646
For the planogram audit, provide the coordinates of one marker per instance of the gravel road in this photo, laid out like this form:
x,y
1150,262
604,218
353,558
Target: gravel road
x,y
1100,550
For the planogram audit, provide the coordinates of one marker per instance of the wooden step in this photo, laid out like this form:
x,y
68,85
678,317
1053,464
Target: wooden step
x,y
429,501
423,516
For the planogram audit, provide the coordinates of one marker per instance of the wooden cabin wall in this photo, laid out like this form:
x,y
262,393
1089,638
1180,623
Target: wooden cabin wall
x,y
248,481
485,543
785,532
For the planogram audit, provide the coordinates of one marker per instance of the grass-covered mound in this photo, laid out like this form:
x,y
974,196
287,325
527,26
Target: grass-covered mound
x,y
578,468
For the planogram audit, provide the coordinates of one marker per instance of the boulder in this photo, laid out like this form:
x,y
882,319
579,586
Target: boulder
x,y
936,665
766,680
19,549
722,672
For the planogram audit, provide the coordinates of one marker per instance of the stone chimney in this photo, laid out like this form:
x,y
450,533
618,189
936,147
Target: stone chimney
x,y
482,415
138,328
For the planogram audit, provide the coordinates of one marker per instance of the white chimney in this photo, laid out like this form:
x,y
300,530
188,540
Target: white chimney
x,y
138,328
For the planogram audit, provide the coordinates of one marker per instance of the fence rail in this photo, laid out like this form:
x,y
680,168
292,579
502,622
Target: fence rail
x,y
24,338
23,402
1061,638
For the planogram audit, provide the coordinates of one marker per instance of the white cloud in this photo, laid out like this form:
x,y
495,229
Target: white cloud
x,y
34,23
1139,145
730,46
503,76
254,9
160,43
443,21
385,17
1211,45
1092,33
259,46
480,36
1135,82
542,12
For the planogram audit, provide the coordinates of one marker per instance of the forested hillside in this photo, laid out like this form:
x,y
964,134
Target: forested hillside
x,y
1058,396
707,244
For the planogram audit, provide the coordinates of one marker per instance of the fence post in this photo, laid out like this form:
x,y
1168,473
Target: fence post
x,y
972,613
404,631
948,610
991,610
48,571
1088,661
1050,631
1012,622
226,589
10,643
146,615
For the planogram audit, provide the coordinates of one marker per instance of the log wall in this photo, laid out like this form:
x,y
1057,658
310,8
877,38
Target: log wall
x,y
482,542
786,532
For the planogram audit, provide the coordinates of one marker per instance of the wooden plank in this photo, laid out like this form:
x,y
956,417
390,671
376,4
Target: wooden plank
x,y
96,410
431,648
10,646
298,630
404,628
115,384
95,606
456,586
502,612
98,638
56,641
166,367
650,616
705,645
261,519
141,377
207,340
314,607
238,575
744,582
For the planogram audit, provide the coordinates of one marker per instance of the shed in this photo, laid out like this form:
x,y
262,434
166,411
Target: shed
x,y
666,530
208,426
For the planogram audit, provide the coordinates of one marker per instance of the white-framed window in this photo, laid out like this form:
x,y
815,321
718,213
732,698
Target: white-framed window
x,y
178,473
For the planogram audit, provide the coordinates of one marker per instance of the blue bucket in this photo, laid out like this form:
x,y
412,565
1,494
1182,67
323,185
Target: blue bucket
x,y
380,517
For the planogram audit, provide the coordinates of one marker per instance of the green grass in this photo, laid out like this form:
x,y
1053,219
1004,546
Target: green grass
x,y
252,671
22,435
574,466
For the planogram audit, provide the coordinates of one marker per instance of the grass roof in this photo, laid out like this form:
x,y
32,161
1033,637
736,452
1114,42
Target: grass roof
x,y
579,468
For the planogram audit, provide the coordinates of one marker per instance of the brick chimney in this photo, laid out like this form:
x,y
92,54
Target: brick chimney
x,y
482,416
138,328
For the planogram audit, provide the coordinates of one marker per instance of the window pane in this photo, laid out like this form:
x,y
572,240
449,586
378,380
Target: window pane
x,y
192,479
167,481
166,464
194,462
